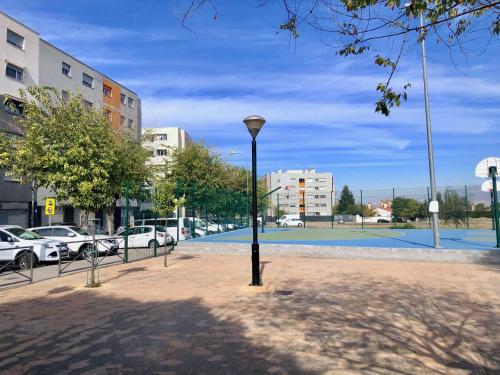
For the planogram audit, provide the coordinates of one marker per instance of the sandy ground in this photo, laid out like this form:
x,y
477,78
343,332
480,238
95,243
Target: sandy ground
x,y
198,316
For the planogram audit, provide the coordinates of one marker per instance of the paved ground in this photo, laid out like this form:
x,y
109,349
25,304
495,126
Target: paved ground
x,y
199,316
467,239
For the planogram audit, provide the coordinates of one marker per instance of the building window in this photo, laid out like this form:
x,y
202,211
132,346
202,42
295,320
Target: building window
x,y
64,96
14,72
88,81
122,121
123,99
107,91
15,39
13,106
130,124
87,104
131,102
161,153
66,69
161,137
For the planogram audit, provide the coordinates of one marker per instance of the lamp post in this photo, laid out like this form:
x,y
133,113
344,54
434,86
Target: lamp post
x,y
254,124
231,153
430,153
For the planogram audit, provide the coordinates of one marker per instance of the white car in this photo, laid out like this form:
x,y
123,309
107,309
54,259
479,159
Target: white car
x,y
13,243
143,236
293,222
78,239
170,224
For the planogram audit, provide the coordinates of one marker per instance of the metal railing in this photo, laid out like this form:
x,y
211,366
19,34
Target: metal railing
x,y
22,260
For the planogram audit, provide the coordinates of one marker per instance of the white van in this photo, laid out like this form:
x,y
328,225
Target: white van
x,y
171,224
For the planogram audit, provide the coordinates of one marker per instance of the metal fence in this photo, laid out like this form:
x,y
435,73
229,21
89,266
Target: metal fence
x,y
459,207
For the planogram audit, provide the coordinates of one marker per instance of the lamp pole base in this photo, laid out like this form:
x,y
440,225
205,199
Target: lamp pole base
x,y
256,281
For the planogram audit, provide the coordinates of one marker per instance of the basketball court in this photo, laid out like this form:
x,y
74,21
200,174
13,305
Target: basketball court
x,y
464,239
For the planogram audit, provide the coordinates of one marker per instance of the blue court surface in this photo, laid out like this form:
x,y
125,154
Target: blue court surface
x,y
465,239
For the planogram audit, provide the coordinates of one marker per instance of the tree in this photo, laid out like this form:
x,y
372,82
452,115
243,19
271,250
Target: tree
x,y
346,205
164,197
73,151
453,208
406,208
355,27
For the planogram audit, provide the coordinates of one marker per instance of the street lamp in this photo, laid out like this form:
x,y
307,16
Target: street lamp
x,y
231,153
434,204
254,124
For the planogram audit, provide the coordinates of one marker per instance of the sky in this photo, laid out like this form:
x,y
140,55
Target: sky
x,y
207,76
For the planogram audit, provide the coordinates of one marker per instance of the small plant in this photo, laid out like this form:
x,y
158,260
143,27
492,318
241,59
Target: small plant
x,y
404,226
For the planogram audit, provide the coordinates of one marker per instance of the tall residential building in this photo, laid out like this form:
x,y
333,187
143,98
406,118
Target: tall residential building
x,y
161,141
302,192
28,60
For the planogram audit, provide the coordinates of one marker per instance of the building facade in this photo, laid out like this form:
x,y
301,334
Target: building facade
x,y
160,142
303,192
27,60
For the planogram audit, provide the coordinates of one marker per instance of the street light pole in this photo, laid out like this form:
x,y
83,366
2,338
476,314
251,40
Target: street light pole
x,y
254,124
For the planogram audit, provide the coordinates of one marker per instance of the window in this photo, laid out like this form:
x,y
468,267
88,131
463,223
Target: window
x,y
14,72
60,232
88,81
107,91
123,99
87,104
64,96
13,106
15,39
161,152
130,124
122,121
161,137
131,102
66,69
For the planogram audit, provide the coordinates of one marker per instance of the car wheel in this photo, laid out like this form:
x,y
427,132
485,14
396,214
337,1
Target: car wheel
x,y
83,251
299,225
23,260
152,243
285,225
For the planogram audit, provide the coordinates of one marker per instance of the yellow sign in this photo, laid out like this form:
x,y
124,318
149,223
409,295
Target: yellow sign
x,y
50,206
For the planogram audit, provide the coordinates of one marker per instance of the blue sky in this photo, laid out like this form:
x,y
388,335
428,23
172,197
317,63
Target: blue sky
x,y
319,106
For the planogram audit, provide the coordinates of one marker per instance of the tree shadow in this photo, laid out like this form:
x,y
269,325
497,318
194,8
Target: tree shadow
x,y
85,332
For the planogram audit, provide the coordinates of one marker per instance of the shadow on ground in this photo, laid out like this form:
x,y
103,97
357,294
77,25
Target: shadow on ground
x,y
341,327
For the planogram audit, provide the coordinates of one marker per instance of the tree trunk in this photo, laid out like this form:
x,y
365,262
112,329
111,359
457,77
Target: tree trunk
x,y
109,219
84,218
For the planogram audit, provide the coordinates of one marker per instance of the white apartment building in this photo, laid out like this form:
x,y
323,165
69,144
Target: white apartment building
x,y
160,142
302,192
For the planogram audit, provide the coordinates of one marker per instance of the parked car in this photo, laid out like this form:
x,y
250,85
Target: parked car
x,y
294,222
143,236
171,225
78,239
17,239
287,217
383,221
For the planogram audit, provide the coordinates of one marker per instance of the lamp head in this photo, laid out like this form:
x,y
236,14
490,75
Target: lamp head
x,y
254,123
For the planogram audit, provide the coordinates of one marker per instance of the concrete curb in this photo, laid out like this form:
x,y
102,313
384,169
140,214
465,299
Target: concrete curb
x,y
342,252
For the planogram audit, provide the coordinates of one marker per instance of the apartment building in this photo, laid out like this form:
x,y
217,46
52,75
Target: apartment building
x,y
28,60
303,192
161,141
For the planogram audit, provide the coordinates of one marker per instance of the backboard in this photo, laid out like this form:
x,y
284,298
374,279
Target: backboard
x,y
483,167
488,186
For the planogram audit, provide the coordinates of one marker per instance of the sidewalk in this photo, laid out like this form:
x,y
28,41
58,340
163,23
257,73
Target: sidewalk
x,y
199,316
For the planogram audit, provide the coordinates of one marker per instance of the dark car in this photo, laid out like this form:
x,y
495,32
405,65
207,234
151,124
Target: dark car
x,y
383,221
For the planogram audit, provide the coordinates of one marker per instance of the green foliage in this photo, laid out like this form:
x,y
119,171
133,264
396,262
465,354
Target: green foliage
x,y
404,226
346,205
164,197
453,208
73,150
406,208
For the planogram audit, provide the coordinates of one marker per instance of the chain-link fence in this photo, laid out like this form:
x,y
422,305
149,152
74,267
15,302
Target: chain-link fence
x,y
459,207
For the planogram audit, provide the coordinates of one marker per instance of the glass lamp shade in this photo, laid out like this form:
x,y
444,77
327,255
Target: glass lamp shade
x,y
254,123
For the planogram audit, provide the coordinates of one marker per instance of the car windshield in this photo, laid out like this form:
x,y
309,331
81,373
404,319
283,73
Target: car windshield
x,y
81,231
161,228
24,234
